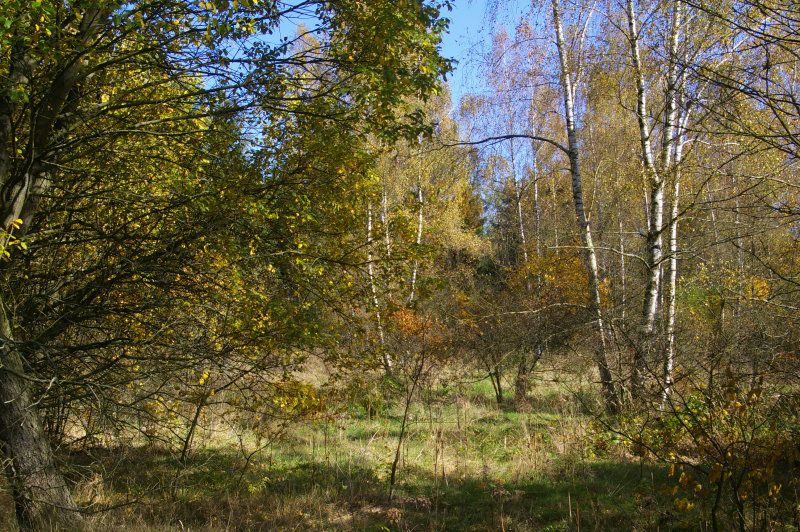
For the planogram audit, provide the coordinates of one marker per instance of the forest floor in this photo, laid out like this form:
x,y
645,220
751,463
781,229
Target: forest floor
x,y
466,464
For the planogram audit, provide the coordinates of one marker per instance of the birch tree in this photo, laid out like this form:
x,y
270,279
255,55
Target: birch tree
x,y
569,79
655,171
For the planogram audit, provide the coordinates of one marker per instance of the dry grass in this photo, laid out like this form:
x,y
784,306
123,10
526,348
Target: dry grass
x,y
466,464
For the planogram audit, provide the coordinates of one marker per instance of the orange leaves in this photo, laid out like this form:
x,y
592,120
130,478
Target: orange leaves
x,y
408,321
415,326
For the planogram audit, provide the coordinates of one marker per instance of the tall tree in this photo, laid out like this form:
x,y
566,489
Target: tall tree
x,y
569,80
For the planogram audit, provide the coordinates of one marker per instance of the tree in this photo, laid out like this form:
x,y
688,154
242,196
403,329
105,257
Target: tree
x,y
87,78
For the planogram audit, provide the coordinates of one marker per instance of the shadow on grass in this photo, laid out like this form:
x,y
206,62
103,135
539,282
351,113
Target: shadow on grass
x,y
602,496
214,490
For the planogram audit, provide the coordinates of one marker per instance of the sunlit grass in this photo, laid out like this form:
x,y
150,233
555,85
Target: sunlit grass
x,y
466,464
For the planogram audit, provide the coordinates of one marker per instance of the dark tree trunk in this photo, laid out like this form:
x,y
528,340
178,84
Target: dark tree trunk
x,y
495,375
41,495
522,382
521,385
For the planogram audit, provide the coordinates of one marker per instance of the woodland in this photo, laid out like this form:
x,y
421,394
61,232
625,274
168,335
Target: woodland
x,y
260,271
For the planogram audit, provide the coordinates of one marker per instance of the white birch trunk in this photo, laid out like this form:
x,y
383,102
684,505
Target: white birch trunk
x,y
387,363
537,211
672,266
655,182
590,256
420,224
522,238
672,275
556,240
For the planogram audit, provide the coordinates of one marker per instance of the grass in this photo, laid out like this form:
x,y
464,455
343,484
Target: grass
x,y
466,464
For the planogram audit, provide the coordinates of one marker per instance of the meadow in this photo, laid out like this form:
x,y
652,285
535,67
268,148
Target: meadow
x,y
465,463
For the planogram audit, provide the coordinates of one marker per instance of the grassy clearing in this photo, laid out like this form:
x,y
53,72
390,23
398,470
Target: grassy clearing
x,y
465,465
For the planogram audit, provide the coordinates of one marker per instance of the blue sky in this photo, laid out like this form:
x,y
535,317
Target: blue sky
x,y
472,23
471,26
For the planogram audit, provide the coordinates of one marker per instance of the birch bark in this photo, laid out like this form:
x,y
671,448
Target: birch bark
x,y
655,181
420,224
590,256
387,362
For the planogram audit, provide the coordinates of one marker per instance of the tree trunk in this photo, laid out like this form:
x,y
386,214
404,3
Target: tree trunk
x,y
387,361
521,383
590,257
420,200
622,275
497,383
554,208
537,213
524,370
537,209
41,495
672,266
520,216
672,286
655,210
655,180
385,221
187,442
